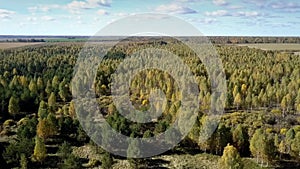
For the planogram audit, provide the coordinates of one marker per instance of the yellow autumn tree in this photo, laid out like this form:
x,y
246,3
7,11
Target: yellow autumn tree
x,y
230,159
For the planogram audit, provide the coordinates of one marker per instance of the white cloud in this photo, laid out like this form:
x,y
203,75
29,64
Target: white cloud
x,y
6,14
220,2
235,7
74,7
88,4
217,13
106,3
190,1
286,6
281,5
208,20
248,14
174,9
43,8
259,3
102,12
47,18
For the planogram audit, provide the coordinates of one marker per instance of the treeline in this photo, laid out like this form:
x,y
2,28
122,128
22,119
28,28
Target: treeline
x,y
247,39
24,40
143,40
263,89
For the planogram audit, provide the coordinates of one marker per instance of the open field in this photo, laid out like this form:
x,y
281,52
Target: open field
x,y
8,45
274,46
175,161
179,160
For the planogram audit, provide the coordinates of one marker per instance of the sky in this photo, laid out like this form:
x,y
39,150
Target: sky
x,y
210,17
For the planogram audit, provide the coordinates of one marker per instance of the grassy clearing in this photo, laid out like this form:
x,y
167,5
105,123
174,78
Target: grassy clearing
x,y
8,45
274,46
183,161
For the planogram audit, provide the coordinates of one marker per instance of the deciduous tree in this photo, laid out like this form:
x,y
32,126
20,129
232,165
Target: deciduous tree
x,y
230,159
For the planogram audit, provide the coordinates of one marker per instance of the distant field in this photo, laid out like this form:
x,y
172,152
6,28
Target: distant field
x,y
274,46
7,45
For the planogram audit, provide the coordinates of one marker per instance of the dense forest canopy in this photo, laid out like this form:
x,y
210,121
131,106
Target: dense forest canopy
x,y
261,117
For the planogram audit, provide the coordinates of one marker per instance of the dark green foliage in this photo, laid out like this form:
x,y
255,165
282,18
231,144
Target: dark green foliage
x,y
16,148
106,161
262,146
71,162
64,150
240,139
28,130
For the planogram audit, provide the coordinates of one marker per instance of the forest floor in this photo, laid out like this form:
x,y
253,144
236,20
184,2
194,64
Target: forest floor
x,y
181,161
173,160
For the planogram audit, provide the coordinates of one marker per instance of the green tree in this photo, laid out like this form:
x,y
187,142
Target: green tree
x,y
23,162
223,137
48,88
42,112
296,145
284,106
14,150
64,150
289,137
230,159
262,146
33,88
40,152
107,161
55,84
40,84
63,90
240,138
256,143
268,149
71,162
52,102
13,106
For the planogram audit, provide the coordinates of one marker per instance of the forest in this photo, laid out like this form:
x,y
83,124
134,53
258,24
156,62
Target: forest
x,y
39,127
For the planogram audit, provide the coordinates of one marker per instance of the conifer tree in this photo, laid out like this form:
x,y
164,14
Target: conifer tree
x,y
40,152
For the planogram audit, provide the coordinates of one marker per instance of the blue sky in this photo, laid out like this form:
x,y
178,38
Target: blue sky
x,y
211,17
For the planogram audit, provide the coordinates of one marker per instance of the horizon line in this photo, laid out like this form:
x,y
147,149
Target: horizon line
x,y
90,36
